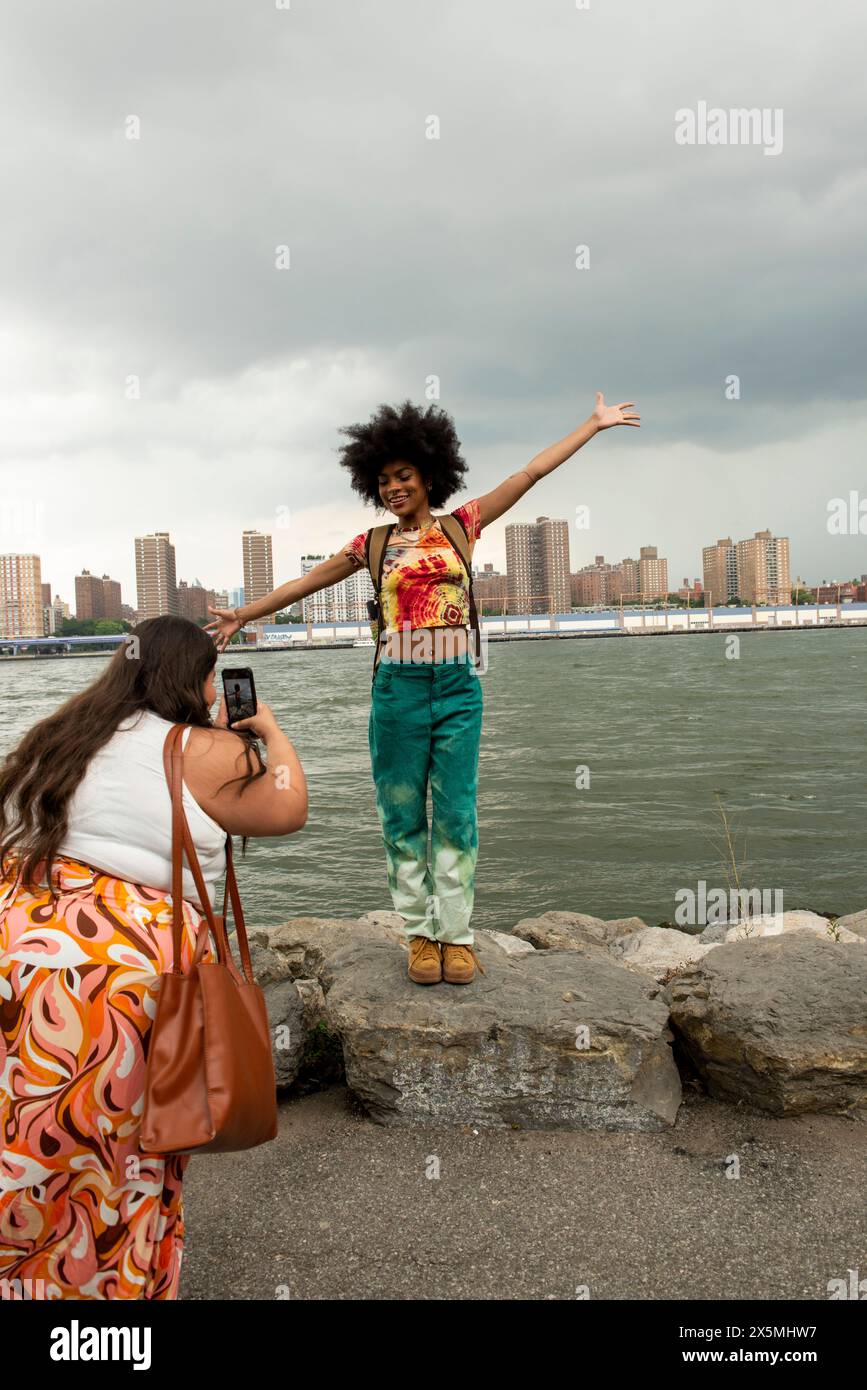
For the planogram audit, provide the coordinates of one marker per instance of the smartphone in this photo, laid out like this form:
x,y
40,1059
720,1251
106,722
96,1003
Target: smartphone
x,y
239,689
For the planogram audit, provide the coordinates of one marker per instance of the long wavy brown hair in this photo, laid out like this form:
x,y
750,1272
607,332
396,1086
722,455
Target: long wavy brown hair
x,y
162,666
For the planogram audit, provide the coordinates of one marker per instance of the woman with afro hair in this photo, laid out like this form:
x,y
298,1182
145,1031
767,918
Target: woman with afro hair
x,y
426,710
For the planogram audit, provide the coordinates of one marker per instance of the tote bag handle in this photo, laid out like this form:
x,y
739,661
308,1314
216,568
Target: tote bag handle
x,y
182,842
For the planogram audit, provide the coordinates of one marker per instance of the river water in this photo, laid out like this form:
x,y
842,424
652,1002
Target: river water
x,y
667,728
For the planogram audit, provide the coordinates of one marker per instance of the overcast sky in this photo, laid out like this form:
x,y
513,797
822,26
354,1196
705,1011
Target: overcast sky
x,y
259,127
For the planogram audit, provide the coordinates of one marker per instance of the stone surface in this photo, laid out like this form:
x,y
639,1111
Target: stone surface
x,y
512,945
574,931
799,921
311,946
659,950
778,1022
855,922
762,1020
286,1012
502,1052
618,927
715,934
392,920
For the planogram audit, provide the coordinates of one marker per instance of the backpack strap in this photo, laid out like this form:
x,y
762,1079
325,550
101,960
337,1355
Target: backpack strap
x,y
456,534
375,547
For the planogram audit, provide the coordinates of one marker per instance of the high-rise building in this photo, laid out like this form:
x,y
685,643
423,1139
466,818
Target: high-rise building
x,y
556,568
644,578
97,598
47,610
236,599
111,599
523,568
359,590
339,603
156,583
90,595
61,613
595,584
258,566
720,570
652,573
755,570
319,607
537,566
21,596
628,582
763,569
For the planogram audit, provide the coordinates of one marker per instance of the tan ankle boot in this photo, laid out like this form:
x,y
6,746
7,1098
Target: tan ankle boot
x,y
425,961
459,964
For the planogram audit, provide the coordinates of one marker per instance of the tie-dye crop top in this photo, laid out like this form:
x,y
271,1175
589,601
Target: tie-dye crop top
x,y
424,583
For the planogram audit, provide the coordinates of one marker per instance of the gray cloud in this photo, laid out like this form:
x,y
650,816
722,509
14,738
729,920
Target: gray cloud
x,y
413,257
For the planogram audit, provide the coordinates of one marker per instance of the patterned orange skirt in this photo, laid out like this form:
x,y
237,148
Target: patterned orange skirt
x,y
84,1214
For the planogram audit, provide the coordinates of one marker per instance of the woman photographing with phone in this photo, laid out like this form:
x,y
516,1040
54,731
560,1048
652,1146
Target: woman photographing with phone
x,y
425,719
86,933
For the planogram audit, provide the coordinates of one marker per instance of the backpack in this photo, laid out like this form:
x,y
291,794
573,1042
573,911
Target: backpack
x,y
375,547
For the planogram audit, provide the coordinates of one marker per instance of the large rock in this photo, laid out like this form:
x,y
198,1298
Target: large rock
x,y
660,950
512,945
771,924
391,921
287,1014
855,922
311,946
502,1052
778,1022
574,931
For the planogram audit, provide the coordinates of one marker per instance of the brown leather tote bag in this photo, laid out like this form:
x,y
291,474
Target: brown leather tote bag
x,y
209,1077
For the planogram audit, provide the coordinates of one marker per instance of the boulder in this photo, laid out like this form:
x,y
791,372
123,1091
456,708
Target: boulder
x,y
509,1050
800,921
855,922
512,945
287,1016
311,946
660,950
617,927
778,1022
574,931
715,934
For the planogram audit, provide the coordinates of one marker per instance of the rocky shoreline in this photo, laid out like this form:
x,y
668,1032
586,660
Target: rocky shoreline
x,y
578,1022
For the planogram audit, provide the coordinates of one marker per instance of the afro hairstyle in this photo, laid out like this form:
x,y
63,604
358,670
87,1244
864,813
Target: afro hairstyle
x,y
426,438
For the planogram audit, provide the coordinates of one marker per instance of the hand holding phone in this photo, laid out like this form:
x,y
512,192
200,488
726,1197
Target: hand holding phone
x,y
239,692
262,724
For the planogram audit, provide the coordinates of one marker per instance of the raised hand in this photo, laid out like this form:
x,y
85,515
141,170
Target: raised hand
x,y
224,626
608,415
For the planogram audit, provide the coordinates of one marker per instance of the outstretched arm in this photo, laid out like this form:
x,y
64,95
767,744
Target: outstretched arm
x,y
228,621
495,503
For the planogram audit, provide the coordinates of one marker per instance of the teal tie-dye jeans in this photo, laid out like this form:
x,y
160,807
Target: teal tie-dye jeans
x,y
425,727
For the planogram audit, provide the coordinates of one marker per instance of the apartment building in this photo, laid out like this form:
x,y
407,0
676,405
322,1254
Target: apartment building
x,y
156,582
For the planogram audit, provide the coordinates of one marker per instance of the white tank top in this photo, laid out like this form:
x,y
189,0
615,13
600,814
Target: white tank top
x,y
120,815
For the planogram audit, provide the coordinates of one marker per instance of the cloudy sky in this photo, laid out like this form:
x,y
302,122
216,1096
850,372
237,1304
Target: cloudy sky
x,y
305,125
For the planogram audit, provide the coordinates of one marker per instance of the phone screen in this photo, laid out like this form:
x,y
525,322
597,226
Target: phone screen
x,y
240,693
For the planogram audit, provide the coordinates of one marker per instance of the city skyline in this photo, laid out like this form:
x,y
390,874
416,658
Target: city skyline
x,y
539,575
489,549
